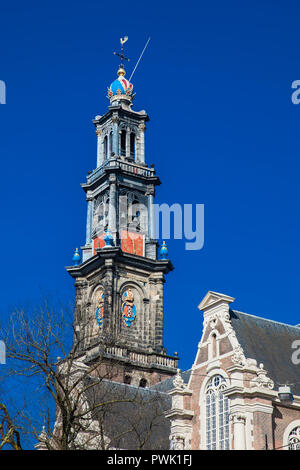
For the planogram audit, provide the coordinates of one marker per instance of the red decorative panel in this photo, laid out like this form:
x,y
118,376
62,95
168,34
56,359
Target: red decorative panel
x,y
133,243
98,243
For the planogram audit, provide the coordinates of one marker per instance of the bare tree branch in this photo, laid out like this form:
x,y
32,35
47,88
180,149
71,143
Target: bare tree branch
x,y
85,393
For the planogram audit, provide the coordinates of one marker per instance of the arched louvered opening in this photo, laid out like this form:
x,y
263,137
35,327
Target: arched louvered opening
x,y
132,145
105,145
110,143
106,213
100,214
123,143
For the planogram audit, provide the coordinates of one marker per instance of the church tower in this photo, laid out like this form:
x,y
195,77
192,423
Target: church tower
x,y
119,282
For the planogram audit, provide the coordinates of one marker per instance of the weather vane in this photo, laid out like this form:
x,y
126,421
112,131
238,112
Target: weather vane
x,y
121,55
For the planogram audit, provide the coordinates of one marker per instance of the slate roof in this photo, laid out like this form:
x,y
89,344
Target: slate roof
x,y
166,385
132,417
269,342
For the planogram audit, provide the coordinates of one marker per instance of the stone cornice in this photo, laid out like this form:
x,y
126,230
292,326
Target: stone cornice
x,y
116,254
183,392
178,413
135,115
250,392
294,405
233,391
118,166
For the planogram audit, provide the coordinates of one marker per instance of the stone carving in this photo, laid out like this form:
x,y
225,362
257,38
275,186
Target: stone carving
x,y
237,417
262,380
115,119
238,356
177,442
100,308
128,307
178,381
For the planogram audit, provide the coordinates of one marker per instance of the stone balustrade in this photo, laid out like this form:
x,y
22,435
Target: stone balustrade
x,y
125,166
140,358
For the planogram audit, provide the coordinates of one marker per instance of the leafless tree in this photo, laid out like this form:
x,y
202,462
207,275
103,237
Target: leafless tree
x,y
93,410
9,434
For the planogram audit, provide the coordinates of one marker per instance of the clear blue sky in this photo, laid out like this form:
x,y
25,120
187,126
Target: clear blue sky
x,y
216,82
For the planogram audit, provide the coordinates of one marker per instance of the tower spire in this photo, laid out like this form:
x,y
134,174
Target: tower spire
x,y
120,280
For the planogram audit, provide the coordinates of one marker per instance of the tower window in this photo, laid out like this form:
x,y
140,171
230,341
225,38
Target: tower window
x,y
127,379
214,345
143,383
105,143
106,213
132,145
123,143
100,213
110,143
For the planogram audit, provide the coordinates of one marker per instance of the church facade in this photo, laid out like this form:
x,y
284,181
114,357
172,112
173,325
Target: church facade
x,y
243,390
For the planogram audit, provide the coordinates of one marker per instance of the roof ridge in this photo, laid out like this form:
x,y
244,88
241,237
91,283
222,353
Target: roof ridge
x,y
266,319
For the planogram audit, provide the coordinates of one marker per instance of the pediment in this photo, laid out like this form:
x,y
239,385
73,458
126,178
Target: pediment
x,y
213,298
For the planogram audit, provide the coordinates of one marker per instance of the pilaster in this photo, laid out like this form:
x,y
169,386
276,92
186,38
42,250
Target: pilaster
x,y
100,153
141,153
239,437
180,417
112,211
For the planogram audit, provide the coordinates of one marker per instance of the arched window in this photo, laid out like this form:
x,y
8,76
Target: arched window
x,y
99,214
110,143
217,414
143,383
214,344
105,147
106,213
127,379
123,143
294,439
132,145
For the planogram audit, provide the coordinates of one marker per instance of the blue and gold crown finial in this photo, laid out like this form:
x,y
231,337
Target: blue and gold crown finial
x,y
121,88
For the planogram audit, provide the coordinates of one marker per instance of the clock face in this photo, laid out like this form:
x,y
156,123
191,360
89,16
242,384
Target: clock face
x,y
133,243
98,242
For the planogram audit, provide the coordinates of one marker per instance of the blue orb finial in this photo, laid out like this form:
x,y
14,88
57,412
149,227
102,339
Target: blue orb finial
x,y
163,251
76,257
108,238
